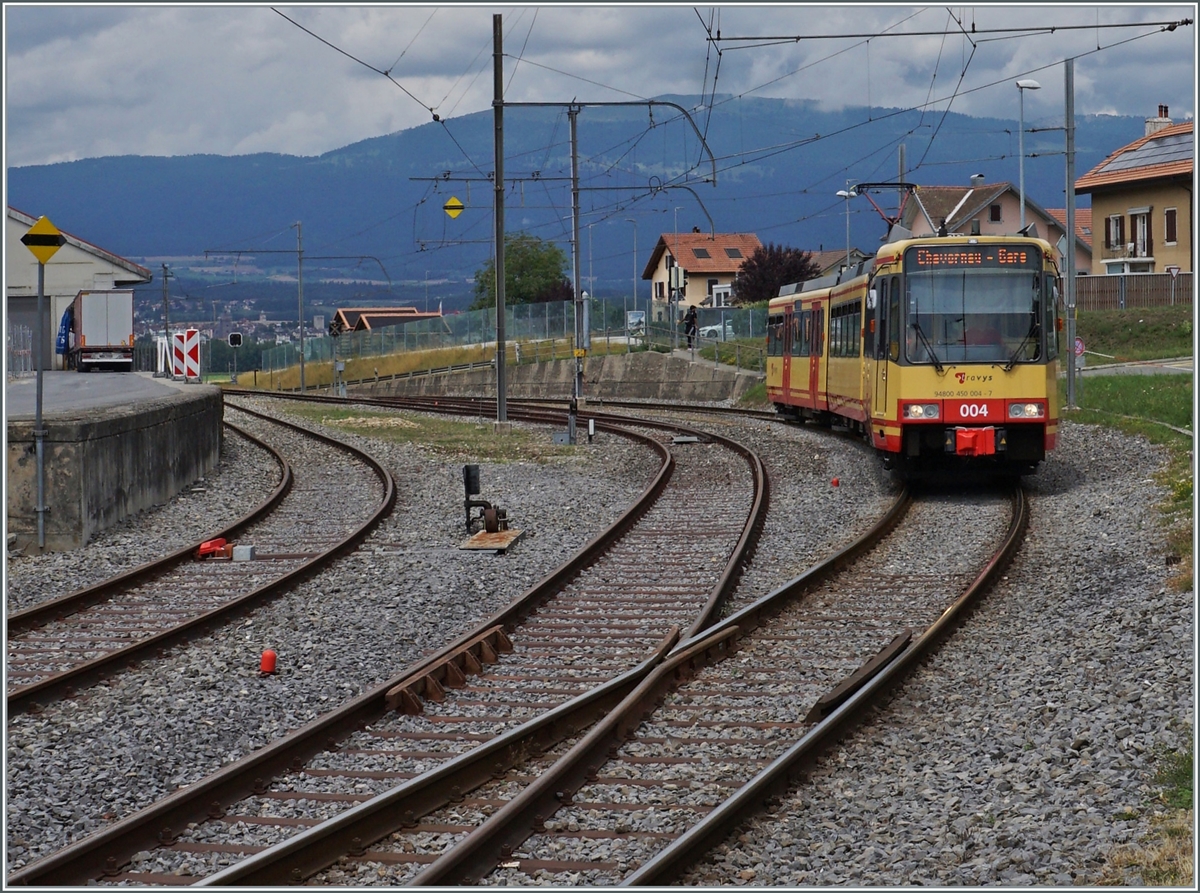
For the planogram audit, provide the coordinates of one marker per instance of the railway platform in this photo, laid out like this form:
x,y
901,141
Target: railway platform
x,y
114,444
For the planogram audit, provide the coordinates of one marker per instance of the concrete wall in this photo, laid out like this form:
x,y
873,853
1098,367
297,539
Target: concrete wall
x,y
645,375
103,465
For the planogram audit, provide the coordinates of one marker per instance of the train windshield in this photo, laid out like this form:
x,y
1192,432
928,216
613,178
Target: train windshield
x,y
961,309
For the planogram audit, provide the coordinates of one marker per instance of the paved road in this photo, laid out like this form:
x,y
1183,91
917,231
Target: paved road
x,y
74,391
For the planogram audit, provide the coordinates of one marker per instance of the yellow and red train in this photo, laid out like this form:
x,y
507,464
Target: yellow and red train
x,y
941,350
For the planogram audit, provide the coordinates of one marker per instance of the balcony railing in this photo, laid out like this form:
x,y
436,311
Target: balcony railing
x,y
1122,251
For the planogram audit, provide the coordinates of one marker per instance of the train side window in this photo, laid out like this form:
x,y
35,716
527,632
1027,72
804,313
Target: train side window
x,y
894,321
803,323
1050,323
815,345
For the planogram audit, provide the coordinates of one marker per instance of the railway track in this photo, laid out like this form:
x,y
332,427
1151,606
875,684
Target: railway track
x,y
57,648
553,662
726,720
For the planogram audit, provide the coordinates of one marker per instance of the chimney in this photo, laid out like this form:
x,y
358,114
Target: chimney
x,y
1154,125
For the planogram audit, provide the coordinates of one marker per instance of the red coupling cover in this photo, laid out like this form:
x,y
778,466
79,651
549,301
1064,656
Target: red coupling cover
x,y
975,441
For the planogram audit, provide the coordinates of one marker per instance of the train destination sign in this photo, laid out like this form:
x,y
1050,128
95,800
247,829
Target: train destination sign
x,y
930,257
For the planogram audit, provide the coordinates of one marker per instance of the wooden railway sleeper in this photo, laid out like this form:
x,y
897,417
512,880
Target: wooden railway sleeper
x,y
474,856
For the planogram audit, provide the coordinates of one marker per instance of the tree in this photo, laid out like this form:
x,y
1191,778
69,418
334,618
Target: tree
x,y
768,268
534,271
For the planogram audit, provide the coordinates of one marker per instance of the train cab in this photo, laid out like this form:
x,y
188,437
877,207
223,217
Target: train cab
x,y
941,350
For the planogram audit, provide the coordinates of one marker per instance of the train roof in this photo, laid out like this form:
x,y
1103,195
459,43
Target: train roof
x,y
828,281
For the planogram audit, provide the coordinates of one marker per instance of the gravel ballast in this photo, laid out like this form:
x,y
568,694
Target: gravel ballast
x,y
1025,750
245,476
1061,631
84,763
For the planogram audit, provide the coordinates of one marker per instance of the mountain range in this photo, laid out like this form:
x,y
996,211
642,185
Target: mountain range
x,y
373,210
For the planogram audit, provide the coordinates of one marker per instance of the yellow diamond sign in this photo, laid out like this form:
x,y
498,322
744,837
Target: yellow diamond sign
x,y
453,207
43,239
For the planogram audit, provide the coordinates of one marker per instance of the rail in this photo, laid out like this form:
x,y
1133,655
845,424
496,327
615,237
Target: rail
x,y
65,681
106,851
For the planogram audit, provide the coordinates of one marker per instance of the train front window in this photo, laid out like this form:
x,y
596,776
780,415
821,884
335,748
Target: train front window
x,y
973,315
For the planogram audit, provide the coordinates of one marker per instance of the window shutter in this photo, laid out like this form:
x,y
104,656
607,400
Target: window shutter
x,y
1108,242
1169,225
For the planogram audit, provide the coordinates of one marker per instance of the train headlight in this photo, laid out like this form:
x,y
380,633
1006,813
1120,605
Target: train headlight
x,y
920,410
1026,410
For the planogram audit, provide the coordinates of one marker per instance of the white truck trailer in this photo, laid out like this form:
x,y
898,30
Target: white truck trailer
x,y
102,327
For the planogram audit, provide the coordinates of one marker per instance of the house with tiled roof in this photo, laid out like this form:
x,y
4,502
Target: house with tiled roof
x,y
988,209
1142,201
711,261
832,260
360,319
1083,223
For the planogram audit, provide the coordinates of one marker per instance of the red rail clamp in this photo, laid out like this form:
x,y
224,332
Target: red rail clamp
x,y
211,548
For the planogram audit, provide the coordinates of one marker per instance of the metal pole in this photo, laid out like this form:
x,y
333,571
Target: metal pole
x,y
674,310
572,115
498,116
167,323
847,230
1069,284
1022,86
1021,151
634,222
39,432
300,295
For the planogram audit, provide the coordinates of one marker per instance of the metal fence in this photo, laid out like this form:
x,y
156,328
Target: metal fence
x,y
542,323
18,350
1131,290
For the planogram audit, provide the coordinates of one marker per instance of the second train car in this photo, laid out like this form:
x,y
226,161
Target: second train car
x,y
941,350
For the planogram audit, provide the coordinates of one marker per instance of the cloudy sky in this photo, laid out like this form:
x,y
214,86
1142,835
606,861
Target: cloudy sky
x,y
87,80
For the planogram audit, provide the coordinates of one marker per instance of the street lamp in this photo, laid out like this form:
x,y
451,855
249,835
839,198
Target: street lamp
x,y
847,194
672,307
1022,86
626,306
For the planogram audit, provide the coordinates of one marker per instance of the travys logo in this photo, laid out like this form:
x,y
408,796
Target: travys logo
x,y
963,377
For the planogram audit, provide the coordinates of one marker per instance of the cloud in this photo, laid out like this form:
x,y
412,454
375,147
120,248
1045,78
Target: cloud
x,y
85,81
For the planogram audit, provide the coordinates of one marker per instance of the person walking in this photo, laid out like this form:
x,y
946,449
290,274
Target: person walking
x,y
689,325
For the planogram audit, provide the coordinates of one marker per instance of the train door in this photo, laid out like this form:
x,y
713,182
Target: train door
x,y
801,341
786,342
816,351
887,320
